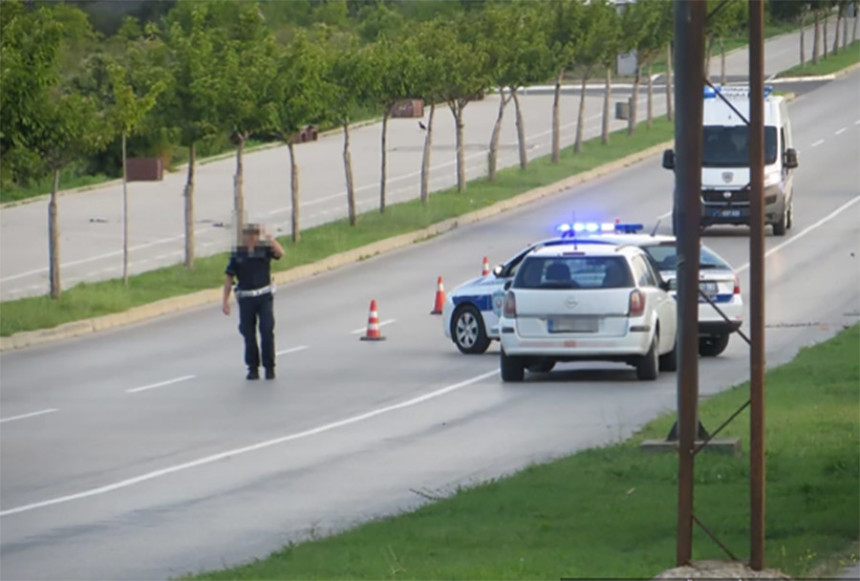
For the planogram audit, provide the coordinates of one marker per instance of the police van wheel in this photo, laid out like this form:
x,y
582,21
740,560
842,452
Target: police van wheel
x,y
511,368
790,217
779,227
467,330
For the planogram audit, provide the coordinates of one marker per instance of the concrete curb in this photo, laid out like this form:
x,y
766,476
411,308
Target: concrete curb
x,y
212,296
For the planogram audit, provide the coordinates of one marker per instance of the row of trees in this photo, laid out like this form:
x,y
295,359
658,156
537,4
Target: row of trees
x,y
207,70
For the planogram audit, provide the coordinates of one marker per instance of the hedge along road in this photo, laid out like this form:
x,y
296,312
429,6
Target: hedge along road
x,y
91,225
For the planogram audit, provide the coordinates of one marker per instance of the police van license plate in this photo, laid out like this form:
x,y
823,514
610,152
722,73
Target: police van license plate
x,y
572,325
728,213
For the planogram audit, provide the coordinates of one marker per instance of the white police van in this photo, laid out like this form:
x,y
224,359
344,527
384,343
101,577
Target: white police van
x,y
471,312
725,160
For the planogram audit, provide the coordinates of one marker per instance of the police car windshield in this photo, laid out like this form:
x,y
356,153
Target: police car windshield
x,y
666,258
728,146
570,272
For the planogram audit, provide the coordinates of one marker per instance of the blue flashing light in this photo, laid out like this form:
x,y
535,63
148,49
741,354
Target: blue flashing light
x,y
598,227
736,91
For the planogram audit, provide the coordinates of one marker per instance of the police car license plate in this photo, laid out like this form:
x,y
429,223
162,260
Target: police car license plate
x,y
572,325
710,290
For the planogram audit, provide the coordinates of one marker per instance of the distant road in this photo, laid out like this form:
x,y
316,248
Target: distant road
x,y
91,222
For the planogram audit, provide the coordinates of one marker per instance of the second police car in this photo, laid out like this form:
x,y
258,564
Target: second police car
x,y
471,311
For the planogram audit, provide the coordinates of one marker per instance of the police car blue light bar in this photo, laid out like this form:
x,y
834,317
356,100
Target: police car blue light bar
x,y
595,227
734,91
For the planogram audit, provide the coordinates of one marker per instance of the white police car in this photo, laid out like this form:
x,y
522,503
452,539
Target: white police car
x,y
471,311
717,280
587,301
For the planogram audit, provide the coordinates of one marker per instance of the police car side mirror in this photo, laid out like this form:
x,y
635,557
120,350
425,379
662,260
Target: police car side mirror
x,y
668,159
665,285
497,270
508,284
790,161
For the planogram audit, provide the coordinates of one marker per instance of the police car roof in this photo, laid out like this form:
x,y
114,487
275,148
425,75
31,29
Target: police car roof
x,y
583,247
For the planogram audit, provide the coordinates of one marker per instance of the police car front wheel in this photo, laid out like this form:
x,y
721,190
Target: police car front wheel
x,y
467,330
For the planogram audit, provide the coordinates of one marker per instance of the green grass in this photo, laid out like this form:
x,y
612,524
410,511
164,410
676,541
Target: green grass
x,y
848,56
611,512
94,299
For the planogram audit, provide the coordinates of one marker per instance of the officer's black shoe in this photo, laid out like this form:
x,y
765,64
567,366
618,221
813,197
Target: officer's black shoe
x,y
253,374
270,373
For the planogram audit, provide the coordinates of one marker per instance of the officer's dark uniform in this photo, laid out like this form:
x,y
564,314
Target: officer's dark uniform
x,y
252,269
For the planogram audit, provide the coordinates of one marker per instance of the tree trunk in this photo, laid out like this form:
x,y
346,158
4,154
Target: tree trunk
x,y
54,238
650,97
845,28
461,158
816,36
384,168
189,208
555,118
708,57
607,98
124,214
836,32
521,129
824,31
294,193
238,190
580,120
425,160
492,155
347,168
856,18
803,40
669,57
634,103
722,61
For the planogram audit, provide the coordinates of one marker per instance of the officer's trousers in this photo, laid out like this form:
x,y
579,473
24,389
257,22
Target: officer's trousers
x,y
251,311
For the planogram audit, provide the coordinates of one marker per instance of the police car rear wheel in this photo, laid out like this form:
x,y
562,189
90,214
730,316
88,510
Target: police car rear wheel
x,y
467,329
713,346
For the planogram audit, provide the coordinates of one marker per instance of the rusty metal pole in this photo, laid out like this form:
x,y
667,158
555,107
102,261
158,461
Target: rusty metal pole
x,y
689,103
756,161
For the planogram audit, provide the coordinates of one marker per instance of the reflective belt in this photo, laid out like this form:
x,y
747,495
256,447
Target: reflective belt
x,y
241,294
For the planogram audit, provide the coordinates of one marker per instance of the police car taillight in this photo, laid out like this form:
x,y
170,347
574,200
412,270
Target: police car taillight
x,y
737,289
510,308
637,303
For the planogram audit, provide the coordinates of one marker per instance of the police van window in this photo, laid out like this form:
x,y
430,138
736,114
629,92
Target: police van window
x,y
728,146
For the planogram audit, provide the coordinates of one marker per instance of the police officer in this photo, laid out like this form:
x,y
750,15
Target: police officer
x,y
250,266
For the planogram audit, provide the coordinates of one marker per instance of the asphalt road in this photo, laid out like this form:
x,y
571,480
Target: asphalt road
x,y
91,222
143,453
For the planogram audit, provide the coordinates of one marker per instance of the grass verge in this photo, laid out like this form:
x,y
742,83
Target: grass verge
x,y
830,64
87,300
610,512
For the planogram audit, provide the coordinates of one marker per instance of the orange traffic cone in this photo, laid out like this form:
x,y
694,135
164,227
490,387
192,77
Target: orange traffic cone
x,y
440,298
486,269
373,325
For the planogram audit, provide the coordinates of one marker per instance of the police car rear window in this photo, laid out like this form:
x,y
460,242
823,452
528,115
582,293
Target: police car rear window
x,y
571,272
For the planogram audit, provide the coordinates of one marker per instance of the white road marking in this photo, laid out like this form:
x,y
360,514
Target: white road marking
x,y
101,256
162,383
817,143
839,132
30,415
381,324
252,448
806,230
292,350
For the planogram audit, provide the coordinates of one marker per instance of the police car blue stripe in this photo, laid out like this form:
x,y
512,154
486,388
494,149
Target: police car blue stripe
x,y
483,302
